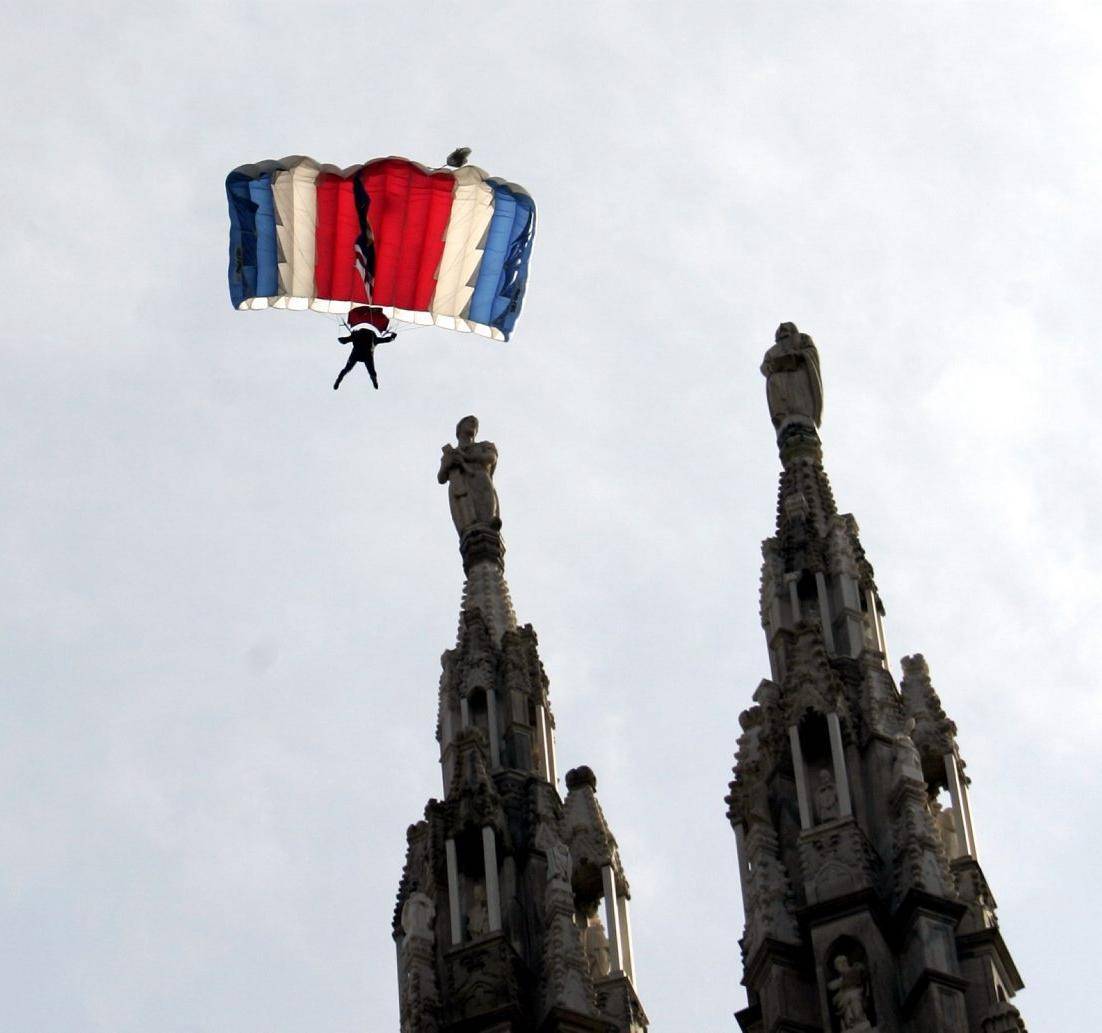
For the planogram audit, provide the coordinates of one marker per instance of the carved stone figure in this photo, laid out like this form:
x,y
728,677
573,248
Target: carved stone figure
x,y
477,920
826,796
417,916
907,757
559,864
945,821
595,943
794,385
849,994
468,471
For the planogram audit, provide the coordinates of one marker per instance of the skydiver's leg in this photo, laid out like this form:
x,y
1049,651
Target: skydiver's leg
x,y
369,362
340,376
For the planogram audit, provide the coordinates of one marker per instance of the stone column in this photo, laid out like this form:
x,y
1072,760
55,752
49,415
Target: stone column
x,y
801,777
625,938
552,771
793,596
493,891
743,865
838,755
612,921
541,735
491,722
959,796
824,611
464,713
874,605
454,908
851,609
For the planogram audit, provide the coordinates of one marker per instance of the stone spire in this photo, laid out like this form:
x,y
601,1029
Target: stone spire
x,y
866,908
513,907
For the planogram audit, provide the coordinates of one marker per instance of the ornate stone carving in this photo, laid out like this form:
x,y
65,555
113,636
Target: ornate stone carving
x,y
417,917
934,733
836,859
907,762
810,683
919,857
770,903
586,832
481,977
1002,1017
566,981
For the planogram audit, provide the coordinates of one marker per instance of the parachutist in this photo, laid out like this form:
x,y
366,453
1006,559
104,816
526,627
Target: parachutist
x,y
363,340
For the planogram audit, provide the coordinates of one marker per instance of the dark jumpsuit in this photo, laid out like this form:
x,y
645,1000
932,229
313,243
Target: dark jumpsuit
x,y
363,342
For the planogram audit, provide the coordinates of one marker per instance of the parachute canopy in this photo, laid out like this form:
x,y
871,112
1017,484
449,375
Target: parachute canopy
x,y
443,246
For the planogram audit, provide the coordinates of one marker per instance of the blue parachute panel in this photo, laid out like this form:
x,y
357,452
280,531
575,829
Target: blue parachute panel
x,y
267,247
493,256
242,271
514,273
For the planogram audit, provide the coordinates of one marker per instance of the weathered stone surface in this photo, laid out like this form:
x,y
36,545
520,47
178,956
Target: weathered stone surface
x,y
866,908
501,876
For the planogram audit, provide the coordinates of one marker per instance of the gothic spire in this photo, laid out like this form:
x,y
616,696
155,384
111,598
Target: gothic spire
x,y
499,921
866,908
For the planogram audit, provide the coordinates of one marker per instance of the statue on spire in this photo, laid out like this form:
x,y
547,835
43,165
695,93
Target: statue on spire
x,y
468,471
794,385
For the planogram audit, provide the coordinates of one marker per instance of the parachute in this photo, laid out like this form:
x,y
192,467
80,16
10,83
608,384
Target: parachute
x,y
446,246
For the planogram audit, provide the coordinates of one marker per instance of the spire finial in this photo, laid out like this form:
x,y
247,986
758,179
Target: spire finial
x,y
794,387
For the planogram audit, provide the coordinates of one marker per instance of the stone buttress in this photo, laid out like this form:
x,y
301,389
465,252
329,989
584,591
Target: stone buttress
x,y
513,907
866,907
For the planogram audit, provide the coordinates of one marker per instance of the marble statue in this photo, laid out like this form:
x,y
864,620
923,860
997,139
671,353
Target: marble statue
x,y
417,916
794,386
468,470
477,919
826,796
595,943
849,994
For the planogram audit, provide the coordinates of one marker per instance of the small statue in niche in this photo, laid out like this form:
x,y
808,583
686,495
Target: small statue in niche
x,y
595,944
559,863
417,916
468,471
826,796
945,821
794,385
849,994
477,920
906,753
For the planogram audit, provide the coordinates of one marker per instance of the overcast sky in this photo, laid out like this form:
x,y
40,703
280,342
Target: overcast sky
x,y
224,589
